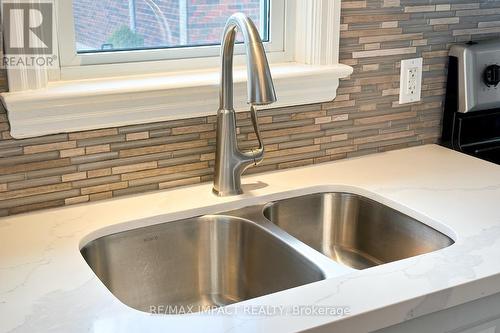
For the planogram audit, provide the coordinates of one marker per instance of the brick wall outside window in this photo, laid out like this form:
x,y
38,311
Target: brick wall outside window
x,y
96,20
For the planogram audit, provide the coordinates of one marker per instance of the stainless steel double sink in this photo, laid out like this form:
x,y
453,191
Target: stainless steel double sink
x,y
216,260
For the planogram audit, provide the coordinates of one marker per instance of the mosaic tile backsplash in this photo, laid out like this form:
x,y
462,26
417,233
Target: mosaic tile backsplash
x,y
365,118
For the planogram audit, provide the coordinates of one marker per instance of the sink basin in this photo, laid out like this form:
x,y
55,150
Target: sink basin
x,y
353,230
196,264
215,260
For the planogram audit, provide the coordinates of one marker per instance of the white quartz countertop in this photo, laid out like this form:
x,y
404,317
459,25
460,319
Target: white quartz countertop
x,y
46,286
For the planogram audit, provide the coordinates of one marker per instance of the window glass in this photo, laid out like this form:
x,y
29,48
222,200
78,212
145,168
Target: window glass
x,y
115,25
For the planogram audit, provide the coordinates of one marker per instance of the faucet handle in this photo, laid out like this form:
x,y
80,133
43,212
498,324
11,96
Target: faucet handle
x,y
258,154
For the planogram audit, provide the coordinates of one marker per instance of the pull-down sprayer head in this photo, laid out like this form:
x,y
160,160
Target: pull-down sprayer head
x,y
260,86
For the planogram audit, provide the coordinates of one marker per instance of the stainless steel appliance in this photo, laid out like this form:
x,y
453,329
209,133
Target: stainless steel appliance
x,y
471,121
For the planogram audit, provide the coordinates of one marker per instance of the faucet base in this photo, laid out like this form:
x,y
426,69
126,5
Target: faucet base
x,y
226,193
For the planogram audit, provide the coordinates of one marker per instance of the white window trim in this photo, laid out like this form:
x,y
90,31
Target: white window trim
x,y
309,73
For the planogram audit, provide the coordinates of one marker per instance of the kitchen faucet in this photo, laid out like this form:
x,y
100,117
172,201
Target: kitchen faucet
x,y
230,161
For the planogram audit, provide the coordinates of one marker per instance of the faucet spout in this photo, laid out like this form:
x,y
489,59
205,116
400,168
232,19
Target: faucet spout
x,y
260,88
230,162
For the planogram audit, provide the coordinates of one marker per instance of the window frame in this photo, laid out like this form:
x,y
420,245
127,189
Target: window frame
x,y
73,65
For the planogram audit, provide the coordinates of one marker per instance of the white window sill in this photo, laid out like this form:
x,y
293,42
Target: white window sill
x,y
69,106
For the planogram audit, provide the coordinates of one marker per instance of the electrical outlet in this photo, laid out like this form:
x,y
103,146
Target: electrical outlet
x,y
411,81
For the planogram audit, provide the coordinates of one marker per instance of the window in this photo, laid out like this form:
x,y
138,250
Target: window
x,y
126,31
157,60
117,25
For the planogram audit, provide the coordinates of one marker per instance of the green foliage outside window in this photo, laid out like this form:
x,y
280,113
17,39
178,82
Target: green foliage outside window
x,y
124,38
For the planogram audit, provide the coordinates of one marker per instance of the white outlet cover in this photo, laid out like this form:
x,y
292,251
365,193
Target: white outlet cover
x,y
411,81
